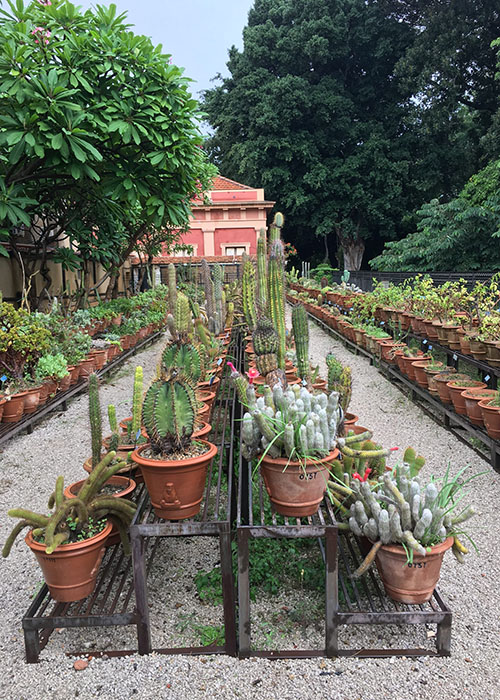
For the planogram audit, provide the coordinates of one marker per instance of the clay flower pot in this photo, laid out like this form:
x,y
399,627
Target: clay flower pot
x,y
420,375
70,572
407,363
441,382
14,408
431,375
296,489
74,374
87,366
456,392
2,404
175,486
100,357
478,349
207,397
65,382
491,418
410,583
472,397
492,352
212,385
32,400
203,430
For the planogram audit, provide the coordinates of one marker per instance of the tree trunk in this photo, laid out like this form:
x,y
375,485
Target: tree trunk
x,y
353,250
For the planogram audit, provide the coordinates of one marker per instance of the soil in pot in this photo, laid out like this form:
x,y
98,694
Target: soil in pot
x,y
176,486
296,489
410,583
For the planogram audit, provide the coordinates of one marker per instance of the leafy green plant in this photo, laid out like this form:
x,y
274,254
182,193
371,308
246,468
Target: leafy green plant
x,y
53,366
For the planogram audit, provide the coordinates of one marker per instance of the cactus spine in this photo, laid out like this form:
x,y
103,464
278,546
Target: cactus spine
x,y
248,292
137,404
95,419
301,335
182,316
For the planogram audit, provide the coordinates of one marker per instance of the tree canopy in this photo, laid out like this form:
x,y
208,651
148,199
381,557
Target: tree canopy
x,y
98,133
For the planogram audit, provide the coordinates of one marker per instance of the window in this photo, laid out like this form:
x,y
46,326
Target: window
x,y
235,250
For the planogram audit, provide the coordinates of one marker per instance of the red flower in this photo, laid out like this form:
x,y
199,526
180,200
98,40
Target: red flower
x,y
252,374
367,473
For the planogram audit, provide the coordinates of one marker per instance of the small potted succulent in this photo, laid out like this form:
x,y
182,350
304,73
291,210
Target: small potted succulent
x,y
69,542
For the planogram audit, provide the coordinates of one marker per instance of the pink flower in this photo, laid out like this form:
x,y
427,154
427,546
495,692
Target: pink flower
x,y
252,374
45,3
232,367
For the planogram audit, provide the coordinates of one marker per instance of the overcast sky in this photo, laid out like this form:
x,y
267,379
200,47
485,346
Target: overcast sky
x,y
198,33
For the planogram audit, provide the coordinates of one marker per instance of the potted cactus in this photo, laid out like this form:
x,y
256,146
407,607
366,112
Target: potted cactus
x,y
294,435
174,465
410,527
69,542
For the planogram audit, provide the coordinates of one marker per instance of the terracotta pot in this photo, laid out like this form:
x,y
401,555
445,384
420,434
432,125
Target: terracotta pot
x,y
456,394
430,330
203,412
74,373
441,383
296,489
2,404
478,349
441,334
14,408
492,352
411,583
125,342
202,432
320,385
207,397
387,349
407,363
44,392
472,397
99,357
87,366
127,487
419,371
71,570
491,418
65,382
51,385
210,385
176,487
464,342
431,374
32,400
398,355
452,338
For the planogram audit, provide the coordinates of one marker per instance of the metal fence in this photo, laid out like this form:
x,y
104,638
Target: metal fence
x,y
191,272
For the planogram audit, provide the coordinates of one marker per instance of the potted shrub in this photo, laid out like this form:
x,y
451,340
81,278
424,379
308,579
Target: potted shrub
x,y
52,369
69,542
410,527
173,464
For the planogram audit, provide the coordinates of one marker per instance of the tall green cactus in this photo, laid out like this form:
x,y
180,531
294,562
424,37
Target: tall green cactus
x,y
248,291
275,228
209,289
277,298
137,404
301,334
95,419
219,296
172,287
262,272
182,316
169,413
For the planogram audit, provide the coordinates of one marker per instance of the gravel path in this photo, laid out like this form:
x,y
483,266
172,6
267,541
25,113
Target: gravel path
x,y
60,444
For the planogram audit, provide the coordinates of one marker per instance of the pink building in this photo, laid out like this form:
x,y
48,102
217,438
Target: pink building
x,y
227,227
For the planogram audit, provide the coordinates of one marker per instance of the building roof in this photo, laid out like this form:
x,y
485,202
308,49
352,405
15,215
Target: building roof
x,y
224,183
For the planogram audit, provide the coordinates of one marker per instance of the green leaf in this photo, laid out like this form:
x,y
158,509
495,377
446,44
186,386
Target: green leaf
x,y
56,141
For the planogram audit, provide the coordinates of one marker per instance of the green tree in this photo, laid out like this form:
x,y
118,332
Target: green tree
x,y
98,134
313,113
459,235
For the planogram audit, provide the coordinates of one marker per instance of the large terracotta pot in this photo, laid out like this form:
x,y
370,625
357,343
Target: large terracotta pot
x,y
65,382
492,352
464,342
296,489
14,408
430,330
478,349
431,375
32,400
419,368
2,404
203,430
44,392
71,570
210,385
472,397
456,392
410,583
175,486
74,373
407,363
452,338
100,357
87,366
491,418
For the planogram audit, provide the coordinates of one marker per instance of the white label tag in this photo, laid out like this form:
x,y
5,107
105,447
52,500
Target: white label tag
x,y
487,376
455,356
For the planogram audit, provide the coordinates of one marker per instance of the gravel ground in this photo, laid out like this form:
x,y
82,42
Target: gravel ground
x,y
60,444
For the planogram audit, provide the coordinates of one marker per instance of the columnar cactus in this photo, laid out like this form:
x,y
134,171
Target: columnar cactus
x,y
265,343
219,296
172,287
210,306
277,297
169,413
136,404
248,291
339,379
95,419
262,272
180,323
301,334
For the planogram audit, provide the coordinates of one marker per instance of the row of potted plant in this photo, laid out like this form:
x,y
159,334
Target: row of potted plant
x,y
162,443
41,353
